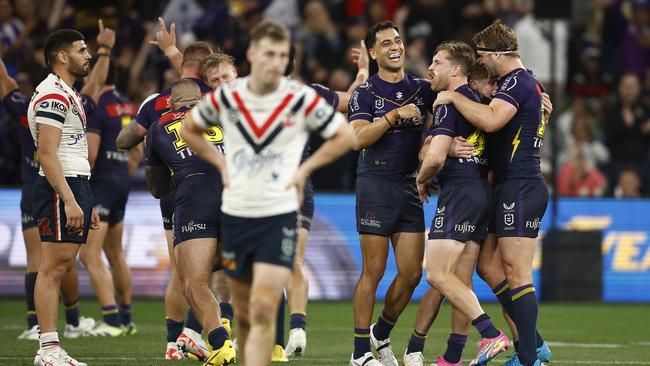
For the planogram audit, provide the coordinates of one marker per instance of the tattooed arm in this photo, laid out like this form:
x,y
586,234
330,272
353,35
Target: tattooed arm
x,y
48,139
130,136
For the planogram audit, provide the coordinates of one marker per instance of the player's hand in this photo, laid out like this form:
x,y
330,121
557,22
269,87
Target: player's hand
x,y
423,192
409,111
360,57
460,148
106,36
165,40
94,220
548,106
444,97
74,217
298,181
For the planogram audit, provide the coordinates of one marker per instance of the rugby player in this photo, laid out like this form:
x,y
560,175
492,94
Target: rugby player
x,y
386,114
263,147
516,115
62,200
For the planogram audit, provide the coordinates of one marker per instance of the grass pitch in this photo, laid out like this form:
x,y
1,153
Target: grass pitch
x,y
579,334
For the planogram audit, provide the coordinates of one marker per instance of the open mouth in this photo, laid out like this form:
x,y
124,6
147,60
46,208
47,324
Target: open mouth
x,y
395,56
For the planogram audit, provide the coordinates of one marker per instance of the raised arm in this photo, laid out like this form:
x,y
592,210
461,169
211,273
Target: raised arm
x,y
489,118
360,57
99,73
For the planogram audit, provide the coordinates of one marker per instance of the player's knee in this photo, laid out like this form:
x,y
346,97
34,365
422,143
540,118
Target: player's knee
x,y
410,278
113,255
435,279
192,288
374,272
262,311
485,271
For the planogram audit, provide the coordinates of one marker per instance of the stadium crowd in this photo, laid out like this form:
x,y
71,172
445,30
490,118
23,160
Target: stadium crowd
x,y
603,112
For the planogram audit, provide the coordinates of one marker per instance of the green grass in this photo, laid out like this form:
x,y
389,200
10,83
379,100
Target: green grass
x,y
584,334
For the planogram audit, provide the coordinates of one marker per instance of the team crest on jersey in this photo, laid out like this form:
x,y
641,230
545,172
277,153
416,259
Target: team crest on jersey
x,y
289,120
438,222
509,83
477,139
288,242
441,113
399,95
379,103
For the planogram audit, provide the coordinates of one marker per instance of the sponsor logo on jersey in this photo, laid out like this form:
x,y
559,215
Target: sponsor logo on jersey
x,y
535,224
465,227
191,227
254,163
509,215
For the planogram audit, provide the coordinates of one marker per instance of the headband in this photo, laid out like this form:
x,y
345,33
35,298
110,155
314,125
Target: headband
x,y
492,50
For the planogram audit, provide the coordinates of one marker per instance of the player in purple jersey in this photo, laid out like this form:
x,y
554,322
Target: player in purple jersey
x,y
197,204
16,104
516,115
110,187
386,114
465,201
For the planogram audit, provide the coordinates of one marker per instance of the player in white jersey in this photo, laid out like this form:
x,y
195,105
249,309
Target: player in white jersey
x,y
266,120
62,201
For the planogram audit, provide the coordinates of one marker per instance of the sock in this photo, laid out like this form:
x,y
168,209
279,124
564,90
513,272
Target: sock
x,y
217,337
125,314
174,330
384,325
279,326
484,326
361,341
455,345
72,313
193,323
416,343
49,339
30,283
298,321
505,298
524,306
226,310
111,316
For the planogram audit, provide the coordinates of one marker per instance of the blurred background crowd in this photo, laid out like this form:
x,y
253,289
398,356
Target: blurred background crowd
x,y
602,95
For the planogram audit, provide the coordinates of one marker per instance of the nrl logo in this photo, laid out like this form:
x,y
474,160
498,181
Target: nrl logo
x,y
439,221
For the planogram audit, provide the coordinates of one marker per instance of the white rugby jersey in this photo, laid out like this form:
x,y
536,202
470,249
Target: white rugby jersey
x,y
56,104
264,137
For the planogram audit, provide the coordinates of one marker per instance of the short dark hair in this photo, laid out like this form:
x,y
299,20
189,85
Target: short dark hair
x,y
371,35
497,37
460,53
215,60
478,72
59,40
184,88
268,29
196,52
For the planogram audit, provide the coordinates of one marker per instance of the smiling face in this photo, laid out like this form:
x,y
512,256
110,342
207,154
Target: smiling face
x,y
220,74
388,50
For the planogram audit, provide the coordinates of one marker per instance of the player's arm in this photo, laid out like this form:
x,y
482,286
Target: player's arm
x,y
489,118
135,156
94,140
159,180
130,136
48,138
367,133
166,41
434,160
192,133
99,73
7,83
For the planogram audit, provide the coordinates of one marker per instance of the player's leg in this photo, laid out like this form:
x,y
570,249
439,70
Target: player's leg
x,y
219,287
175,305
33,251
428,309
278,353
240,289
297,295
102,281
267,285
374,252
195,258
121,274
460,323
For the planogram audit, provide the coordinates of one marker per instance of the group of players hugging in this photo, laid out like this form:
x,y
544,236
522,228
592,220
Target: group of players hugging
x,y
229,159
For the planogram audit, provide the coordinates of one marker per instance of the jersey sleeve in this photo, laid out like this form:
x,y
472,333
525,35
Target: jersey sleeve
x,y
514,90
444,121
330,96
360,104
142,117
151,157
51,109
320,116
16,104
88,104
206,113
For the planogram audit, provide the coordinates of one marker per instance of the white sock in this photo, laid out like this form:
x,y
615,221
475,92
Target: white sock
x,y
48,340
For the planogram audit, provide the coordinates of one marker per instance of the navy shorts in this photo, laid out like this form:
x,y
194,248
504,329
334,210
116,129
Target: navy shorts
x,y
197,208
520,207
306,212
386,207
463,212
110,199
49,210
248,240
26,212
167,210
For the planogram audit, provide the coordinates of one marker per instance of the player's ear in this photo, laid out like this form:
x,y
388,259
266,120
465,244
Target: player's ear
x,y
62,57
372,53
249,53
